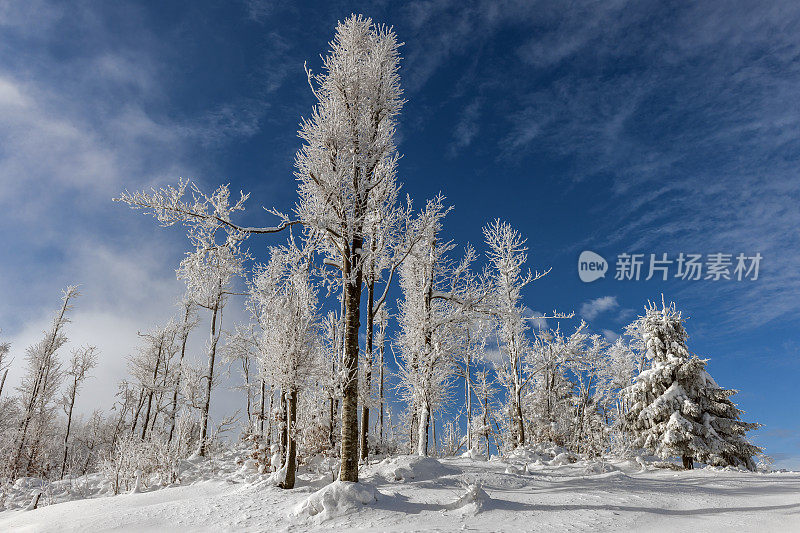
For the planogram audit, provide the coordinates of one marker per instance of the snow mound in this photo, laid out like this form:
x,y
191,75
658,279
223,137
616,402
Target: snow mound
x,y
599,467
561,459
473,454
337,499
474,500
408,467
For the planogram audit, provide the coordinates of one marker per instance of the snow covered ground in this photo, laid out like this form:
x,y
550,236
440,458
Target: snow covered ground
x,y
527,492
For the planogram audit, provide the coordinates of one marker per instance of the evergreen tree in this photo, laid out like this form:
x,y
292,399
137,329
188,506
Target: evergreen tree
x,y
676,407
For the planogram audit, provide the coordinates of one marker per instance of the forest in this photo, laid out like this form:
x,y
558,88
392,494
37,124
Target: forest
x,y
326,347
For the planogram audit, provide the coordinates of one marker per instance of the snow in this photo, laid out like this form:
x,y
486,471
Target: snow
x,y
446,494
473,501
410,467
337,499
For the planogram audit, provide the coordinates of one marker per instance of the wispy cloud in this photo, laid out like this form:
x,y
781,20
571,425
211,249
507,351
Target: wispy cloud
x,y
467,128
79,122
593,308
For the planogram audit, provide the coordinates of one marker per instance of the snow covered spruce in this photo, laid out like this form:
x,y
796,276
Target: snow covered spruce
x,y
675,407
478,376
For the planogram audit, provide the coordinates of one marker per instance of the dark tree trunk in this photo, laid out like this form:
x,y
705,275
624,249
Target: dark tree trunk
x,y
139,405
352,278
263,400
332,424
184,338
210,377
150,393
688,462
69,424
368,367
284,427
380,393
3,381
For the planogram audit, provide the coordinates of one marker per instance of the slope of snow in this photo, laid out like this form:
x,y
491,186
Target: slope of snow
x,y
460,493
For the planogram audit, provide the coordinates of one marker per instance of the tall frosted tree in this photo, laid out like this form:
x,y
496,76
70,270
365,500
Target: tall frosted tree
x,y
507,255
284,302
345,168
345,171
675,407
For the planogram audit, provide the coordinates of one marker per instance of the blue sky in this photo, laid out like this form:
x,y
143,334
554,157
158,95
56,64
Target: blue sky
x,y
617,127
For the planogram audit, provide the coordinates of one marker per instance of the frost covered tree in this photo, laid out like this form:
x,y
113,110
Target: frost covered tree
x,y
471,338
209,271
190,321
549,401
439,296
152,367
344,169
507,255
675,407
38,390
83,359
285,305
5,363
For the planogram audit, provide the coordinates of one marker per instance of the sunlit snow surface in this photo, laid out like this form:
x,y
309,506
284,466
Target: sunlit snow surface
x,y
533,490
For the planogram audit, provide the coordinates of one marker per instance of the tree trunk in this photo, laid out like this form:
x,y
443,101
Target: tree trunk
x,y
184,338
150,393
520,421
270,423
352,278
468,394
433,436
284,428
368,368
412,438
210,377
688,462
291,450
139,405
380,393
424,422
69,423
332,424
3,381
263,402
486,422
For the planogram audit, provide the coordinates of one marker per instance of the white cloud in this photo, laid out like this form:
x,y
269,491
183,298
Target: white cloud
x,y
591,309
76,129
609,335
